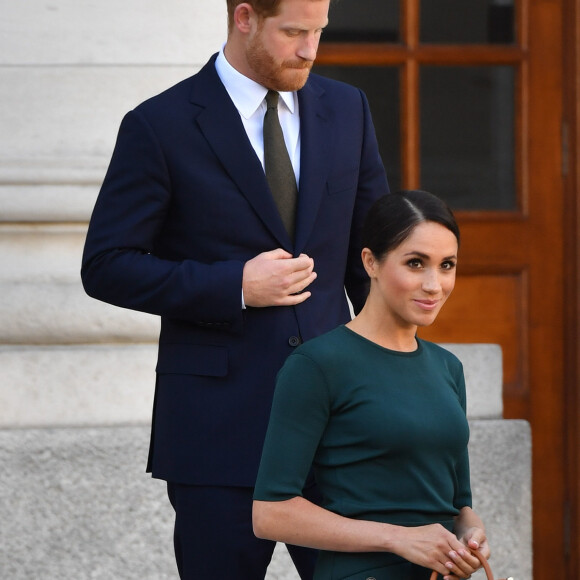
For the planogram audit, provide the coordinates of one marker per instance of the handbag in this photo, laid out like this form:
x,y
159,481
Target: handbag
x,y
485,565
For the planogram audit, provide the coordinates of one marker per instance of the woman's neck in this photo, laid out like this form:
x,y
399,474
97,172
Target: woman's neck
x,y
384,330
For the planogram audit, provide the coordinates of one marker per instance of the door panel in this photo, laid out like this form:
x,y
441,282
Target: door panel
x,y
478,110
491,308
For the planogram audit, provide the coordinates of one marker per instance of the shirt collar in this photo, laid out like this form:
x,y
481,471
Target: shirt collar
x,y
246,94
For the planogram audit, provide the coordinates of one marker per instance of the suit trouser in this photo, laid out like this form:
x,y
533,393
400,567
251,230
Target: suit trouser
x,y
213,536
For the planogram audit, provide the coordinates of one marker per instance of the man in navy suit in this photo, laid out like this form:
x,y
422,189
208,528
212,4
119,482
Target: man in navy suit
x,y
186,227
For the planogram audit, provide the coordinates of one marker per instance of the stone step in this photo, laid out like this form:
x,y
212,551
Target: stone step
x,y
76,503
110,384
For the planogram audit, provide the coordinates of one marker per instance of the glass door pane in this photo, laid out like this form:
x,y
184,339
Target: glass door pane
x,y
363,21
467,21
467,136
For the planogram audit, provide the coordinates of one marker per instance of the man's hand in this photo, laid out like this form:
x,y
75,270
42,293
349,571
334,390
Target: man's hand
x,y
275,278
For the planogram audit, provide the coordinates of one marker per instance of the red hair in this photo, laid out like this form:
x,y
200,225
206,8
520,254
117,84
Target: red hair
x,y
263,8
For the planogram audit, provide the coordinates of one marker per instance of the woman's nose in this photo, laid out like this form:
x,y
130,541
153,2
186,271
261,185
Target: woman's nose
x,y
431,282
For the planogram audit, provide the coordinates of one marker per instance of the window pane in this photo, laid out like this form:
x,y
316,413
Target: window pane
x,y
363,21
467,136
381,86
467,21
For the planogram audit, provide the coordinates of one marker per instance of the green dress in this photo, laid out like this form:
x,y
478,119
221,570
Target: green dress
x,y
385,432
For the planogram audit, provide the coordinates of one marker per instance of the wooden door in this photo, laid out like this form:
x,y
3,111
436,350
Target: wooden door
x,y
467,101
571,170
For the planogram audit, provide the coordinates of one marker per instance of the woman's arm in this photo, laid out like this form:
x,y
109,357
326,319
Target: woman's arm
x,y
300,522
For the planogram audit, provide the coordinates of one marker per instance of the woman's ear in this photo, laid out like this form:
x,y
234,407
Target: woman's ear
x,y
369,262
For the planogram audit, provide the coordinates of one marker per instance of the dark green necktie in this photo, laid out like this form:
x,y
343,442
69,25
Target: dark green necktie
x,y
277,165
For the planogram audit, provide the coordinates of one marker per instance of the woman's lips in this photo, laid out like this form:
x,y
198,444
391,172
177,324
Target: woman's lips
x,y
427,304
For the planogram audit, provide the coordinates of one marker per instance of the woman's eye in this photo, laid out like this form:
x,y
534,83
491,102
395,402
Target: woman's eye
x,y
448,265
414,263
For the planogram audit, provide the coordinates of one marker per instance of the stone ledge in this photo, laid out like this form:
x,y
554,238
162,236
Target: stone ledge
x,y
61,313
107,384
132,31
501,474
43,298
76,120
41,202
483,368
76,385
41,253
79,505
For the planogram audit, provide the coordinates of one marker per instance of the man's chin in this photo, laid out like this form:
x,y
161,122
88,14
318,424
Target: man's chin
x,y
293,81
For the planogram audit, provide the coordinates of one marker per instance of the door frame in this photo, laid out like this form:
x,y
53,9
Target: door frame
x,y
571,174
552,64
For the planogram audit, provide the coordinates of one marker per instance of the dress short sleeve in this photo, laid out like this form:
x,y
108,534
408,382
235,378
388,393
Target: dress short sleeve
x,y
300,412
463,496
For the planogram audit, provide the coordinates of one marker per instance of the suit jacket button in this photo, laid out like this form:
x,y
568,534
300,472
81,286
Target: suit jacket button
x,y
294,341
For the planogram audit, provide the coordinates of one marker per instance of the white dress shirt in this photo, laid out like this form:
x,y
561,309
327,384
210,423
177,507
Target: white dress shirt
x,y
248,97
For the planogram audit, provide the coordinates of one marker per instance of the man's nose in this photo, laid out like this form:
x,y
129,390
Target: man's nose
x,y
309,47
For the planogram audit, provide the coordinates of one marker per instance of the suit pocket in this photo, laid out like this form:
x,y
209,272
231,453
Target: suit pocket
x,y
192,359
343,182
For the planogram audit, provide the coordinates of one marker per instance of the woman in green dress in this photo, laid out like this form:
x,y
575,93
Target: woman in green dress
x,y
379,415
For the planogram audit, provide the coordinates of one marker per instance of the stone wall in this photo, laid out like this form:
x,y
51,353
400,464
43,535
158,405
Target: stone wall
x,y
77,380
77,503
69,71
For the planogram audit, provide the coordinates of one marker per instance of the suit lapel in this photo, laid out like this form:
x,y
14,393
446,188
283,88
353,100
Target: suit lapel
x,y
221,125
317,144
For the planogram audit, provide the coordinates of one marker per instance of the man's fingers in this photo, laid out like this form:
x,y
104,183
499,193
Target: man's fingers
x,y
294,299
300,280
301,263
275,278
277,254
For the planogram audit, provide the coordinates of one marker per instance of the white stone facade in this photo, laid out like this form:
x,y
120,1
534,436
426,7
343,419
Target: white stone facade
x,y
77,375
69,71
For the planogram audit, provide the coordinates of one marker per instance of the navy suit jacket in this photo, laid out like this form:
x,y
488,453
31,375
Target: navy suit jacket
x,y
184,204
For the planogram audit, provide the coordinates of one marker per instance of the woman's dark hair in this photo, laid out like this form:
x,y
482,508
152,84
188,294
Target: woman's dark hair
x,y
393,217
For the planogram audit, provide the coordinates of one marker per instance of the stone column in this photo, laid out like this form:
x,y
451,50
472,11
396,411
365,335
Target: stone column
x,y
69,71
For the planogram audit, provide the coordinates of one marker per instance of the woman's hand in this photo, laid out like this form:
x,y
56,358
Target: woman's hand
x,y
299,522
475,539
471,533
436,548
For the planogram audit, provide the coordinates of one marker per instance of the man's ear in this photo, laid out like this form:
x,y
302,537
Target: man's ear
x,y
243,16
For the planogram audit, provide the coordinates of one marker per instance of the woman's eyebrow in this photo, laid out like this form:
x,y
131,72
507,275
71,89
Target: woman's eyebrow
x,y
427,256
